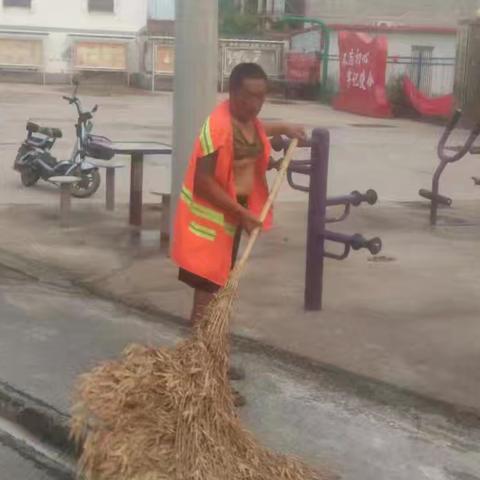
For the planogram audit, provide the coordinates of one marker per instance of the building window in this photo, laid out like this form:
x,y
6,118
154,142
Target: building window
x,y
106,6
17,3
295,7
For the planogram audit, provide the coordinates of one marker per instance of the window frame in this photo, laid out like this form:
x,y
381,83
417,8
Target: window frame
x,y
25,7
100,11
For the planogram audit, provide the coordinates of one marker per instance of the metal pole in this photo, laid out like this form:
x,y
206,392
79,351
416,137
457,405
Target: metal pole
x,y
154,64
222,67
110,189
136,190
316,220
196,80
65,204
419,72
436,192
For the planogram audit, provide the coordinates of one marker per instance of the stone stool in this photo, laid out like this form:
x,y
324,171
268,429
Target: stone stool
x,y
65,184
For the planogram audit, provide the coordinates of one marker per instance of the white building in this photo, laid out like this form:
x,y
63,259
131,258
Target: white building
x,y
58,37
55,38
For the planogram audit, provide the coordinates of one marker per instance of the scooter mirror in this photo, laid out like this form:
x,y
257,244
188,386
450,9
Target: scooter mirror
x,y
95,109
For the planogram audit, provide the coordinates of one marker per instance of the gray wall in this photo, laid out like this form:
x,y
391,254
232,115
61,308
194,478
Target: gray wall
x,y
410,12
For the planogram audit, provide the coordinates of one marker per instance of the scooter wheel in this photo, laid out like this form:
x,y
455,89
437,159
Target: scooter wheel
x,y
88,185
29,177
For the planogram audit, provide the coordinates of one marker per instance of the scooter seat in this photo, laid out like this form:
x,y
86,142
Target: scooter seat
x,y
38,141
48,132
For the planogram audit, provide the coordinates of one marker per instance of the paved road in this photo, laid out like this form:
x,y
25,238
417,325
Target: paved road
x,y
19,462
50,332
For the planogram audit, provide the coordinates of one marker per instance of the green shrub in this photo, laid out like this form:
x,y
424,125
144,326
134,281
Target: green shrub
x,y
401,106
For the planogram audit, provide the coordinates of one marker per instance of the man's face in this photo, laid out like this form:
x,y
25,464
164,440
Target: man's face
x,y
248,101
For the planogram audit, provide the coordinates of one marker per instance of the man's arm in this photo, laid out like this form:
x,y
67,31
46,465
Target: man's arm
x,y
208,188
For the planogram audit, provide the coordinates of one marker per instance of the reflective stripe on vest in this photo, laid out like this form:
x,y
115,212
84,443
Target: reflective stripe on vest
x,y
206,139
206,214
202,231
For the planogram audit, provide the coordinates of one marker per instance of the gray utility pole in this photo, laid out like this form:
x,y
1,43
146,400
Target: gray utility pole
x,y
196,81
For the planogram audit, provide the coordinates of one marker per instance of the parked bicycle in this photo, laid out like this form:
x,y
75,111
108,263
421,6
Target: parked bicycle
x,y
35,161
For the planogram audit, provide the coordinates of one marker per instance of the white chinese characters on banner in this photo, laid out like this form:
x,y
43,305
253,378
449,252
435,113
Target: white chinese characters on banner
x,y
363,65
355,57
358,71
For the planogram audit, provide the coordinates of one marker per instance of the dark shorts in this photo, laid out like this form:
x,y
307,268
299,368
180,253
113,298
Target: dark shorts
x,y
200,283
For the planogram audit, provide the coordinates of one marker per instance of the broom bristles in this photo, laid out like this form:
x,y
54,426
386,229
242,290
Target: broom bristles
x,y
168,413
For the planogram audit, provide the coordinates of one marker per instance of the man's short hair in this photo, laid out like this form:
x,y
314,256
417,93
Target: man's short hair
x,y
244,71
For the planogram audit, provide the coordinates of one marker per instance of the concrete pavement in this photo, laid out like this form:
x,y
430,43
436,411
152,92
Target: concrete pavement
x,y
409,319
54,332
395,156
16,464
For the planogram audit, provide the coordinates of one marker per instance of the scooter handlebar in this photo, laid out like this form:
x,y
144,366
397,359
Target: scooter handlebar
x,y
71,100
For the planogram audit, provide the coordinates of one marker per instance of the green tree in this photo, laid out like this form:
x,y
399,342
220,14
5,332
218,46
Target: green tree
x,y
233,22
227,7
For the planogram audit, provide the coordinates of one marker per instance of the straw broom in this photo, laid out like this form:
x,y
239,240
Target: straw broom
x,y
159,414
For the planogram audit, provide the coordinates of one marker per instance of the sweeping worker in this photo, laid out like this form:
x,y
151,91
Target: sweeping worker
x,y
225,187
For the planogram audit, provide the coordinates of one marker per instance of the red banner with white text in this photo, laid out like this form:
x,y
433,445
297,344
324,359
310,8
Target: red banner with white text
x,y
363,66
428,106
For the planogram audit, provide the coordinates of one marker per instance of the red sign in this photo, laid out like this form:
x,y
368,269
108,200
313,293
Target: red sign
x,y
363,66
303,68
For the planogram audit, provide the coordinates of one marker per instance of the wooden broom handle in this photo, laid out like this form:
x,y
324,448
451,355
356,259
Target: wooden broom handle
x,y
268,205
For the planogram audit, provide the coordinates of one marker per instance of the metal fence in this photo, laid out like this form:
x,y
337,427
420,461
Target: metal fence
x,y
434,76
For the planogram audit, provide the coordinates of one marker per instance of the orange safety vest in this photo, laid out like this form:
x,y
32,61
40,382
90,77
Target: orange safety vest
x,y
204,234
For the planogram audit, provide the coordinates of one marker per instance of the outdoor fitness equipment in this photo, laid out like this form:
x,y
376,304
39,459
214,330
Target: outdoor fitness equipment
x,y
449,155
467,98
317,169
